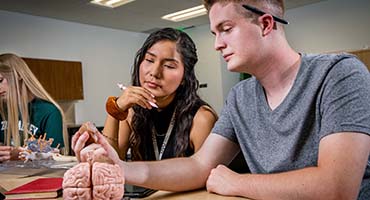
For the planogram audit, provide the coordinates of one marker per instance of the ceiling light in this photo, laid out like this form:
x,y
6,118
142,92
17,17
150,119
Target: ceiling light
x,y
186,14
110,3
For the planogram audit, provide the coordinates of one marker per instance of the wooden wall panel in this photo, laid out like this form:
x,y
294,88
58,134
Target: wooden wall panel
x,y
62,79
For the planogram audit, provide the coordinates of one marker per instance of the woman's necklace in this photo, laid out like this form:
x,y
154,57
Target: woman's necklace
x,y
158,155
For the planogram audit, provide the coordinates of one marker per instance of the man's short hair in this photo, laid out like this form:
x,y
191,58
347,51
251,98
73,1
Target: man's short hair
x,y
274,7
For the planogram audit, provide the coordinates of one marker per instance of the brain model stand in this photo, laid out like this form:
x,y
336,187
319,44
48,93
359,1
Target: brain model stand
x,y
97,178
38,149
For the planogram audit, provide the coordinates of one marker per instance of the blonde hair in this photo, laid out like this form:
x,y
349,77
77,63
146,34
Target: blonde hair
x,y
275,7
23,85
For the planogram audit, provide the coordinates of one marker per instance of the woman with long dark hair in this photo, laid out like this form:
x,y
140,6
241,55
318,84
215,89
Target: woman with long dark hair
x,y
163,76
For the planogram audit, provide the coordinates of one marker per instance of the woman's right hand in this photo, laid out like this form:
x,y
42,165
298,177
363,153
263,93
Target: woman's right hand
x,y
135,95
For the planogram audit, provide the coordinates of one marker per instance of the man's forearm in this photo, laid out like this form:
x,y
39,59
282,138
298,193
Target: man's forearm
x,y
340,168
308,183
181,174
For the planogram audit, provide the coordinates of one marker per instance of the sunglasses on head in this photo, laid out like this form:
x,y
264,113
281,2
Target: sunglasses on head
x,y
260,12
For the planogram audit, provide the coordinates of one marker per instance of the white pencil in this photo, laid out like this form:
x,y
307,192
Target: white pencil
x,y
122,87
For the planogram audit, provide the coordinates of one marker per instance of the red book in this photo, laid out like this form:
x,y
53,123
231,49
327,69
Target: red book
x,y
39,188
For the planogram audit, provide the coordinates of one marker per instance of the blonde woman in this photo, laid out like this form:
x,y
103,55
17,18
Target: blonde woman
x,y
26,109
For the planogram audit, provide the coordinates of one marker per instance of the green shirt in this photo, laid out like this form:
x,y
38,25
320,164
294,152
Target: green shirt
x,y
44,118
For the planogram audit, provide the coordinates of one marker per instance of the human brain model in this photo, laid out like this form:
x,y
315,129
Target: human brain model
x,y
77,182
96,181
97,178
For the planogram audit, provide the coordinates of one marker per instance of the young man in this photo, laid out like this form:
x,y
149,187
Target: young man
x,y
302,121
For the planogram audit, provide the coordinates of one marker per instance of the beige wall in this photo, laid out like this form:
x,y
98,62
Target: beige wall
x,y
106,54
331,25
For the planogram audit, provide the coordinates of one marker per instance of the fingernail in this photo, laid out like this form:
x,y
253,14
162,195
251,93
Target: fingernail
x,y
84,135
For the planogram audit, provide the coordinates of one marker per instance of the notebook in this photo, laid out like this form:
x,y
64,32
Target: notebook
x,y
39,188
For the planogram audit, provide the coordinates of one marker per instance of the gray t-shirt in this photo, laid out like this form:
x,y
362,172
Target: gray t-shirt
x,y
331,94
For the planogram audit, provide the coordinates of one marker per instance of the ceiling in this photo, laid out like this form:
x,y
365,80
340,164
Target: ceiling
x,y
138,16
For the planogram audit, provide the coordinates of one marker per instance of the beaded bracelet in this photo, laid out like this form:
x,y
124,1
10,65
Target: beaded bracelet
x,y
113,109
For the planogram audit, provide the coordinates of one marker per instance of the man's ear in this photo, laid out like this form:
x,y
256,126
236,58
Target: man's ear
x,y
267,24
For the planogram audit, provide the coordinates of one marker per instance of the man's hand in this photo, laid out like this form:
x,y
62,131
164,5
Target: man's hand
x,y
94,151
222,181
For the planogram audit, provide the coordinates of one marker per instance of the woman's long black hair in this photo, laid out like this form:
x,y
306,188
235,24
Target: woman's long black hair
x,y
186,94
